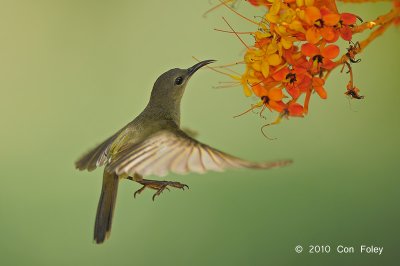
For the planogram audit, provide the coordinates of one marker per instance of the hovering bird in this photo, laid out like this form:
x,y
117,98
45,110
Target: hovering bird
x,y
154,144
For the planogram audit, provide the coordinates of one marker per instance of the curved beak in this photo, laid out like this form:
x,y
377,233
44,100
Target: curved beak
x,y
199,65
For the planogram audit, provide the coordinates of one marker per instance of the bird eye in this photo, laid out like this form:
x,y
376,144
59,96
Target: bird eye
x,y
178,81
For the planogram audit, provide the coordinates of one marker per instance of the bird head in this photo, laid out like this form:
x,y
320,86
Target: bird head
x,y
170,86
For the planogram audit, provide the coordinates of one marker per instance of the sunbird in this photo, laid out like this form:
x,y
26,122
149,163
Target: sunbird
x,y
154,144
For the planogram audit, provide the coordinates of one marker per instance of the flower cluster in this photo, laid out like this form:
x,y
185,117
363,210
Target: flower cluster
x,y
295,49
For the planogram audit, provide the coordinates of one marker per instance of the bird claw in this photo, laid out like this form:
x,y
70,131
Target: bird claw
x,y
178,185
160,186
139,191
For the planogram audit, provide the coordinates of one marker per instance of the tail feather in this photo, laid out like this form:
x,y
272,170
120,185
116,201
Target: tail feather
x,y
105,209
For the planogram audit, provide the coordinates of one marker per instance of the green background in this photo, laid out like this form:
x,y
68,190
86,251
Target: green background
x,y
73,72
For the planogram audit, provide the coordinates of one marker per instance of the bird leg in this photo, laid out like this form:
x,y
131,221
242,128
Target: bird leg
x,y
160,186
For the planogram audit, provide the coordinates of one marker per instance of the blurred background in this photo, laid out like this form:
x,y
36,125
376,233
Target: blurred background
x,y
73,72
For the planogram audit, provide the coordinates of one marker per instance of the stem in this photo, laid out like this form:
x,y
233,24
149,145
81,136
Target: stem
x,y
381,20
351,82
378,32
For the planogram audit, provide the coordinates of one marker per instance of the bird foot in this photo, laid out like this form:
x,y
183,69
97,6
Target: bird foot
x,y
160,186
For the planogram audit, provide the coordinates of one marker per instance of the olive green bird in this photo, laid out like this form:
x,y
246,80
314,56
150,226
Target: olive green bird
x,y
154,144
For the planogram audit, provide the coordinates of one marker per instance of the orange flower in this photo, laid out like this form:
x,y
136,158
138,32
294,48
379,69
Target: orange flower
x,y
272,98
294,57
321,22
293,51
345,24
295,80
318,85
320,57
295,109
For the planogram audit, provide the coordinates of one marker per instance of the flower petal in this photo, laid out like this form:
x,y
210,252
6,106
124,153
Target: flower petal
x,y
256,66
297,26
318,84
312,14
246,89
293,91
330,51
331,19
259,90
278,106
275,94
346,33
276,5
272,47
313,35
309,49
328,64
348,18
295,109
261,35
309,2
265,68
305,84
286,42
274,60
329,34
272,18
281,74
321,92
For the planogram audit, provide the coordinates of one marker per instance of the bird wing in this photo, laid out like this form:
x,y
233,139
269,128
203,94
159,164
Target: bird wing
x,y
97,156
174,151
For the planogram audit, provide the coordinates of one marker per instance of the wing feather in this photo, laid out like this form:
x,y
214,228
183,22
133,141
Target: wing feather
x,y
209,162
174,151
194,161
95,157
179,164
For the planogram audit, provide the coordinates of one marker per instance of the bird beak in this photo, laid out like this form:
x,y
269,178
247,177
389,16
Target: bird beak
x,y
193,69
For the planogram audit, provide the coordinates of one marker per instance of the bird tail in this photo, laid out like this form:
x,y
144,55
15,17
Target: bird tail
x,y
105,209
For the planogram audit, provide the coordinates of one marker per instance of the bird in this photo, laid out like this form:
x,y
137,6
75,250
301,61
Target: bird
x,y
153,144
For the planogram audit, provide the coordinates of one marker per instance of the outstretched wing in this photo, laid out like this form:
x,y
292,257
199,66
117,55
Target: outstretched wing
x,y
95,157
174,151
